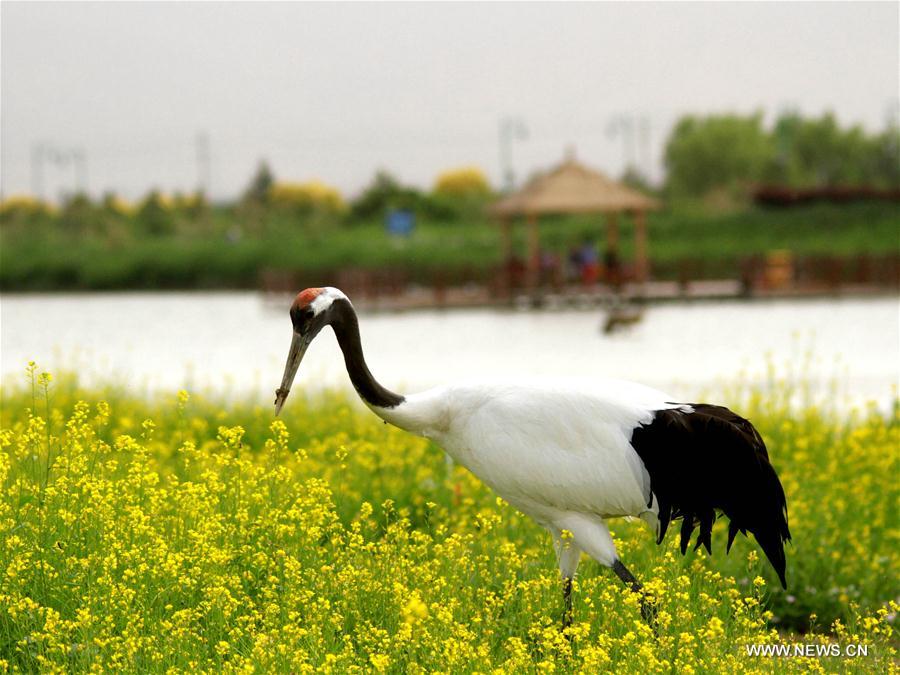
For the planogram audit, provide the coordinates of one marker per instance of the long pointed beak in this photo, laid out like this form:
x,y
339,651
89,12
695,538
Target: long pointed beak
x,y
299,343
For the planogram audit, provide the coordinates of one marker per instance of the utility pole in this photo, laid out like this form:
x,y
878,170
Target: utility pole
x,y
628,134
37,170
203,163
43,153
644,135
79,160
622,125
511,128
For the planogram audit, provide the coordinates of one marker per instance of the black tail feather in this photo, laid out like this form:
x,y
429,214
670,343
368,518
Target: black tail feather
x,y
705,537
708,461
687,528
732,533
665,513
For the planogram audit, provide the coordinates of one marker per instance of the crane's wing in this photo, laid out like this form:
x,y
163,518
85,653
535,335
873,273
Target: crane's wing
x,y
707,460
562,444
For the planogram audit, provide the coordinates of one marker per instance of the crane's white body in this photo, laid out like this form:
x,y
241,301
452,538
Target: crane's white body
x,y
558,450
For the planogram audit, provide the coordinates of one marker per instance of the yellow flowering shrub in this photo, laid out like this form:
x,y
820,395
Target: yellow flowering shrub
x,y
180,534
309,196
468,182
23,206
118,205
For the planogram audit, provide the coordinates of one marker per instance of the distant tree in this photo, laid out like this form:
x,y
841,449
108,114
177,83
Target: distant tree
x,y
118,218
193,206
634,178
260,185
154,215
78,215
817,152
719,151
786,168
887,156
383,194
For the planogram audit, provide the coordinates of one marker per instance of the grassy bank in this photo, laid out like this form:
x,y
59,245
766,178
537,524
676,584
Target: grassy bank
x,y
184,533
223,252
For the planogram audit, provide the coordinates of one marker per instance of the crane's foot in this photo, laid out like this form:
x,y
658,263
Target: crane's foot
x,y
649,613
567,600
648,605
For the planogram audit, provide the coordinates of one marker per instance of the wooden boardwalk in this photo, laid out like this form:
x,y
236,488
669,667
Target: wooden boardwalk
x,y
475,296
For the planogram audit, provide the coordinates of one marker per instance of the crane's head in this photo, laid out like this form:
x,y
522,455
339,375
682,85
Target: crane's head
x,y
311,311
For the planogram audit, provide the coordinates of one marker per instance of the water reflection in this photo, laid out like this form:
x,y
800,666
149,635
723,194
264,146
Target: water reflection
x,y
235,342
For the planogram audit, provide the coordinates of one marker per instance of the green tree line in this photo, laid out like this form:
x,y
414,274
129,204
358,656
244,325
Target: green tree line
x,y
724,154
734,152
265,205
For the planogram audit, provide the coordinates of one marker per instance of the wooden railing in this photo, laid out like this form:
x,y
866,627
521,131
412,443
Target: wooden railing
x,y
774,272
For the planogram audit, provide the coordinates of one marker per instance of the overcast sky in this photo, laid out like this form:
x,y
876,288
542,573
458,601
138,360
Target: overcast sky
x,y
335,91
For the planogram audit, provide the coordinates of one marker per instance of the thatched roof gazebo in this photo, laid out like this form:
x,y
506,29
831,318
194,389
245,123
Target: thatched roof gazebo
x,y
573,188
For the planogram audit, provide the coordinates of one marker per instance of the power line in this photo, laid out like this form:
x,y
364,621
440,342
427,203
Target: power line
x,y
37,170
59,157
204,163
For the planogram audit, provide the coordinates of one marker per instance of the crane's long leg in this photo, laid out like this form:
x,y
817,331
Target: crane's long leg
x,y
568,555
626,576
591,534
648,609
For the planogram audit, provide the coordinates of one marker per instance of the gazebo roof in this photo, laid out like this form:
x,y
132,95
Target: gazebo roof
x,y
572,188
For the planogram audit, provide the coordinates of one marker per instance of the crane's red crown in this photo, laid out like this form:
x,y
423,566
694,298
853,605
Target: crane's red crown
x,y
305,297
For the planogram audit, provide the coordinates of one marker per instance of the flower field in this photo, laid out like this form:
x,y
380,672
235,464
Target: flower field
x,y
178,533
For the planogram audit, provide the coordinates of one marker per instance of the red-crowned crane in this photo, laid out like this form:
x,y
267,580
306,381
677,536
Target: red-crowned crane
x,y
573,453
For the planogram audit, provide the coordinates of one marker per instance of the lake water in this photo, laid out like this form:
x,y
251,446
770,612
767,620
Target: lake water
x,y
237,342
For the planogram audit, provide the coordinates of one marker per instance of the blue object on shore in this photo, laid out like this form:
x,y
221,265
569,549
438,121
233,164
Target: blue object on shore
x,y
400,222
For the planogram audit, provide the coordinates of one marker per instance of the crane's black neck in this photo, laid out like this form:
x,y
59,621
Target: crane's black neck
x,y
346,327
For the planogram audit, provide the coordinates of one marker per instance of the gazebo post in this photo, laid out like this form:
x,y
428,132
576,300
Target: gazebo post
x,y
506,252
641,266
612,262
612,231
534,253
